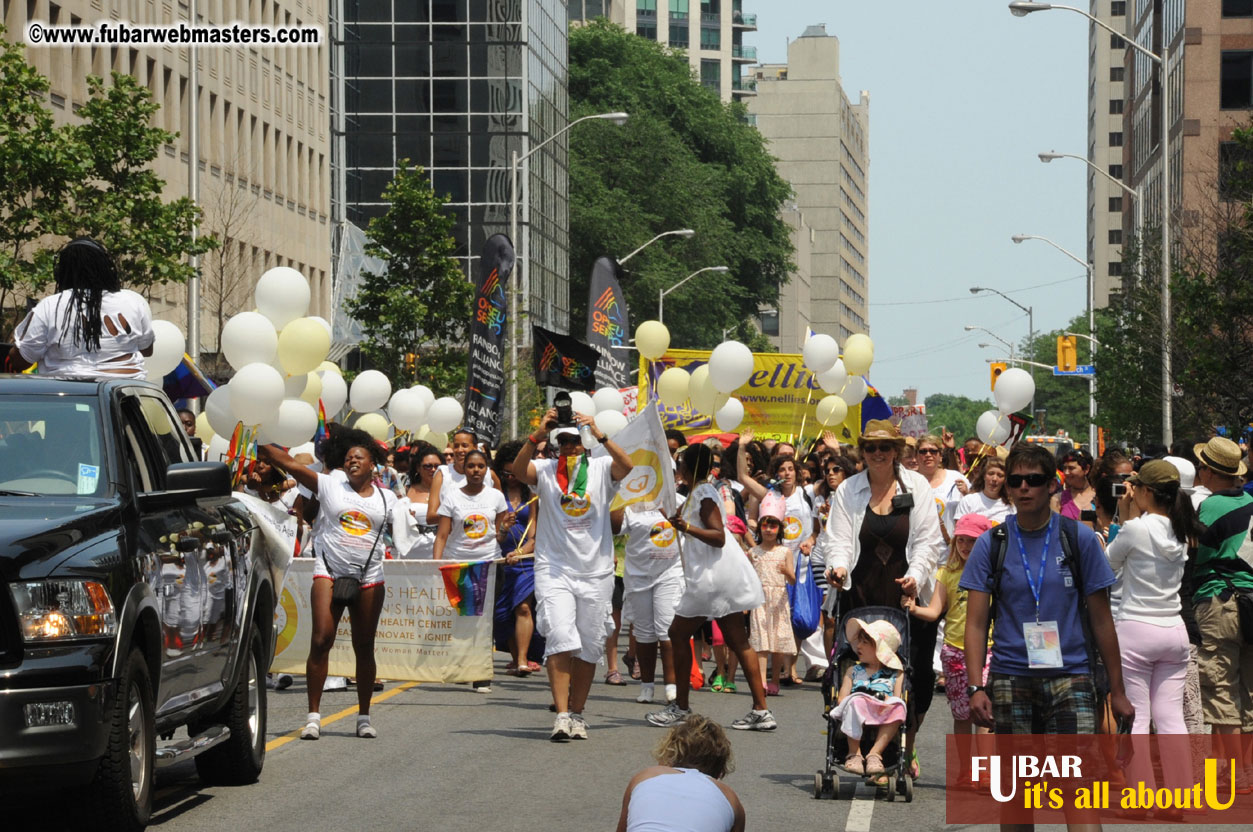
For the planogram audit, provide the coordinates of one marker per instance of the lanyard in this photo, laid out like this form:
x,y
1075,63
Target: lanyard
x,y
1038,584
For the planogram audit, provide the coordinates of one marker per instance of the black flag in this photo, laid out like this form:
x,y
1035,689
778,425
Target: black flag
x,y
485,380
562,361
608,324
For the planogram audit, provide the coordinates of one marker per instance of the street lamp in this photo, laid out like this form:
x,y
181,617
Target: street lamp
x,y
1008,345
661,295
1018,239
974,290
1132,192
515,161
1021,9
685,233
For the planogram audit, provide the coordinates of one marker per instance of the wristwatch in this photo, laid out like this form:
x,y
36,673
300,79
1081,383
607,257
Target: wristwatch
x,y
971,690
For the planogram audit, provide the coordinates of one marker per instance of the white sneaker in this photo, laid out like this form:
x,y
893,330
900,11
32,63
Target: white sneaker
x,y
578,727
671,715
335,683
366,731
755,721
482,687
562,728
311,731
646,694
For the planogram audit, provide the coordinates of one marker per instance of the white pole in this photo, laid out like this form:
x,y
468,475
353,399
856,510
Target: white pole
x,y
1092,446
513,295
193,193
1168,429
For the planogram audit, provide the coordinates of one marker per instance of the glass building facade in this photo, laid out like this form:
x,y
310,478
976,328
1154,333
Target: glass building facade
x,y
457,86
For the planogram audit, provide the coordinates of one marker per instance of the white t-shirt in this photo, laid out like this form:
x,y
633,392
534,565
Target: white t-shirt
x,y
413,537
451,481
573,534
348,524
652,550
1151,561
1198,495
979,503
947,496
798,522
473,535
126,329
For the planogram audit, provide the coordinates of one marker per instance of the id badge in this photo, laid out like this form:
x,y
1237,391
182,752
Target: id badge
x,y
1044,644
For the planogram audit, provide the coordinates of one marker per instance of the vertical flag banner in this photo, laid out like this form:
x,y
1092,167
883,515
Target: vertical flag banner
x,y
650,484
485,379
608,324
562,361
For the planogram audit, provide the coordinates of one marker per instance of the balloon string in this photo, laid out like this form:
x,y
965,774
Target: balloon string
x,y
805,415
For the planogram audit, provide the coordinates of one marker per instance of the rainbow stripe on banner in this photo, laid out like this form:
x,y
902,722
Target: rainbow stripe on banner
x,y
466,585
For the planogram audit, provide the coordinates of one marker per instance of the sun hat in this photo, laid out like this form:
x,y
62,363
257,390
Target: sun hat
x,y
772,505
885,637
1222,456
971,525
1187,471
1155,472
882,429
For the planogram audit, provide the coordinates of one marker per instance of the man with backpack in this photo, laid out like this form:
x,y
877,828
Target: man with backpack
x,y
1043,578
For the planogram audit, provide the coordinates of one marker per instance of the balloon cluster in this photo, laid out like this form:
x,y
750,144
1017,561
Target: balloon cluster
x,y
412,410
709,387
1013,391
841,378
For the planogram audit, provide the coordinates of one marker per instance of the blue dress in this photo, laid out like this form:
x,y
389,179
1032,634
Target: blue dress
x,y
516,586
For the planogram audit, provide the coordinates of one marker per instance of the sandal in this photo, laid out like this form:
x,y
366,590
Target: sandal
x,y
728,687
874,764
915,769
511,666
855,764
534,667
631,666
717,684
614,678
772,690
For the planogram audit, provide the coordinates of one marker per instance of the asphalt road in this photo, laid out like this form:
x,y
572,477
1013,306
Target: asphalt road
x,y
450,759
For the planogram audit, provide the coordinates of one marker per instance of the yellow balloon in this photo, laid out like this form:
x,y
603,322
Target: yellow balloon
x,y
204,431
374,424
858,354
652,339
832,410
672,386
302,346
701,392
329,366
313,389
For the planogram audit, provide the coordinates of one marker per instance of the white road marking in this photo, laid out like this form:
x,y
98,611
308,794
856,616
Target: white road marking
x,y
861,810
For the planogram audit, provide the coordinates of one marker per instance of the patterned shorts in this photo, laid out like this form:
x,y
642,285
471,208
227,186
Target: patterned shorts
x,y
955,680
1043,704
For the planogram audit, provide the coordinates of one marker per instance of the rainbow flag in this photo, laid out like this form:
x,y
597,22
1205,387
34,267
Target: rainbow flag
x,y
466,585
321,432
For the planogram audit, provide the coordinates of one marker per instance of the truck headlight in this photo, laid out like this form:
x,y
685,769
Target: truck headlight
x,y
63,609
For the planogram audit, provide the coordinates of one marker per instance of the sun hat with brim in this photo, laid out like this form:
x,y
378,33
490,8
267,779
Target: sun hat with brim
x,y
971,525
877,429
1187,471
1155,472
885,637
1222,456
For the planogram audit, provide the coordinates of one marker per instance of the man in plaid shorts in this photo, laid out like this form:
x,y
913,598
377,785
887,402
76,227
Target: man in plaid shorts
x,y
1040,678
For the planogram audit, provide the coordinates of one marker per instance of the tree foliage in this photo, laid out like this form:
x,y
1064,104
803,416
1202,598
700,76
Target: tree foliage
x,y
683,160
421,302
1064,399
957,413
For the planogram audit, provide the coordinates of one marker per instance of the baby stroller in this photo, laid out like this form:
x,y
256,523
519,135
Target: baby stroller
x,y
826,782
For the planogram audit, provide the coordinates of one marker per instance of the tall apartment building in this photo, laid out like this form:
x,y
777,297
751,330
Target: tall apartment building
x,y
457,86
712,32
263,116
822,142
1107,202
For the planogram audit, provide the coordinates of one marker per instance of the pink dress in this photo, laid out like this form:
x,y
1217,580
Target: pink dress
x,y
770,629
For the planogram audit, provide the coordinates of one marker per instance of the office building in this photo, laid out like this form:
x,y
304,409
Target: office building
x,y
457,86
787,324
821,139
710,31
1107,202
262,121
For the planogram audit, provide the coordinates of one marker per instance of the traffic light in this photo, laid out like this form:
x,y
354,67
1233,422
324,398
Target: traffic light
x,y
997,367
1067,353
411,364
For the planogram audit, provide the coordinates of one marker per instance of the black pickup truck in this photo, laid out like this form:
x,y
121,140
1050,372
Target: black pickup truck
x,y
136,601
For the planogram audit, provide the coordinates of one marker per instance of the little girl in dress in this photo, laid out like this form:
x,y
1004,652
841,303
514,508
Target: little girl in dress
x,y
871,693
770,629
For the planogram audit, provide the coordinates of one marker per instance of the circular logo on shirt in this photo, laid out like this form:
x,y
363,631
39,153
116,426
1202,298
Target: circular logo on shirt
x,y
355,523
286,618
791,528
939,506
574,505
474,526
661,534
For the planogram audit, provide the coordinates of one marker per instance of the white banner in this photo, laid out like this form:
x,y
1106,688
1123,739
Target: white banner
x,y
651,482
421,637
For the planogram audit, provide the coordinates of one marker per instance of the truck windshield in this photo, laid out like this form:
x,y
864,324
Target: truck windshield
x,y
51,445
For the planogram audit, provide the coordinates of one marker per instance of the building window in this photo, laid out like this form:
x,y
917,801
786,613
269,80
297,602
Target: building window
x,y
1115,269
1237,81
645,8
648,30
1115,171
1235,171
1118,8
679,35
1115,139
711,74
1237,8
1115,204
1117,42
1116,74
769,322
1115,106
1115,236
710,38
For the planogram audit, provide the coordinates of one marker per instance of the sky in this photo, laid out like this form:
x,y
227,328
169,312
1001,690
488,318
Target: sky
x,y
963,95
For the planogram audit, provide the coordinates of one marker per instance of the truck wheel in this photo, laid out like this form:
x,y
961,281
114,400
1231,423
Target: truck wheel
x,y
238,760
120,797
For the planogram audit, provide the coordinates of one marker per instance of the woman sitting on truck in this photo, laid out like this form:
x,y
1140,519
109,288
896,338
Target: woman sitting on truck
x,y
91,328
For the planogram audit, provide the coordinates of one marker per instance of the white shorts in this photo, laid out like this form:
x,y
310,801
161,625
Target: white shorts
x,y
651,609
574,615
373,576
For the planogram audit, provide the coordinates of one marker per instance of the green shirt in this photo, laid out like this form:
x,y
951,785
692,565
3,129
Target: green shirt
x,y
1227,515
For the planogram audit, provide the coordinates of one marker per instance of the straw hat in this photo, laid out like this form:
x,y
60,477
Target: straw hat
x,y
882,429
887,640
1222,456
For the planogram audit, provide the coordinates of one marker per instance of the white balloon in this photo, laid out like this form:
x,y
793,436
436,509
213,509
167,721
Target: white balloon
x,y
672,386
313,389
701,392
834,379
256,393
406,410
324,322
217,409
219,447
832,410
249,338
294,386
993,427
580,402
610,421
296,423
854,391
369,391
444,414
820,353
1014,390
608,398
282,295
168,345
730,365
424,395
730,415
334,392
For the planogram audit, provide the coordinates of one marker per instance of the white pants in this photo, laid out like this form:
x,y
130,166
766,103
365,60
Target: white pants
x,y
651,609
574,615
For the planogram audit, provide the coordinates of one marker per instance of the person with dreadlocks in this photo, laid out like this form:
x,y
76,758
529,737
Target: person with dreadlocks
x,y
91,328
574,562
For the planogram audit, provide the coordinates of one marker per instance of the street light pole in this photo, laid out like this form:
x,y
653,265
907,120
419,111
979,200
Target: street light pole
x,y
685,233
1008,345
661,294
974,290
1134,193
1021,9
514,162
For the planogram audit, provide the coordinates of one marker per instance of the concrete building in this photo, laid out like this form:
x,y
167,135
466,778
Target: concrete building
x,y
711,31
822,141
787,325
457,86
263,154
1108,204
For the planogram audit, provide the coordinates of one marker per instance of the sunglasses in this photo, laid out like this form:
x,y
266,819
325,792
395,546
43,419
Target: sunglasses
x,y
928,451
1033,480
430,466
878,447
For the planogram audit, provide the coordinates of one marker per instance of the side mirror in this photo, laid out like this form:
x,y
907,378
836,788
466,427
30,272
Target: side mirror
x,y
187,482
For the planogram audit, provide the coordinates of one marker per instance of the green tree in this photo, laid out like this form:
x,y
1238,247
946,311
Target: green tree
x,y
957,413
1064,399
421,302
683,160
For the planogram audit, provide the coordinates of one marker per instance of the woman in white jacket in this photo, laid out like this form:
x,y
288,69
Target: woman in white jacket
x,y
883,542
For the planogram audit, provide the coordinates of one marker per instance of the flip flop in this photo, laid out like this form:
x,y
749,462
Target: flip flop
x,y
534,667
915,769
614,678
